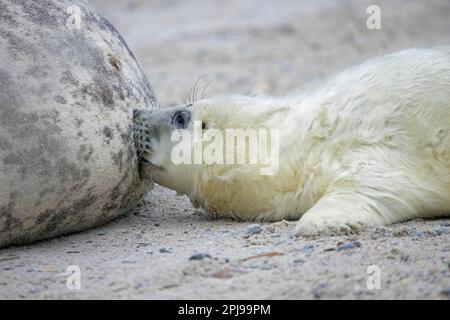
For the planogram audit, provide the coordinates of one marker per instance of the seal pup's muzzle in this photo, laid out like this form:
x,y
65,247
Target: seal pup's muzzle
x,y
151,127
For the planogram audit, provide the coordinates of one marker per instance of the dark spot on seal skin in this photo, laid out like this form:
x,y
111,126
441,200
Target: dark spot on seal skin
x,y
107,132
125,138
8,223
115,193
119,91
5,144
78,122
88,156
45,13
109,207
85,174
104,92
85,153
52,117
68,78
81,151
99,92
117,159
38,71
19,48
60,99
68,172
45,191
7,16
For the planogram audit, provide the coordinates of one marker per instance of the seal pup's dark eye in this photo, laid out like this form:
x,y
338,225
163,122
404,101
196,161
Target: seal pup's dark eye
x,y
181,119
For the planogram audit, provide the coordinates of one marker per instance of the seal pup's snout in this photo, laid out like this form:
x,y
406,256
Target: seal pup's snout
x,y
153,132
141,133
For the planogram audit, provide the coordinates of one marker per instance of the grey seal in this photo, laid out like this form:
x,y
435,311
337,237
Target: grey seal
x,y
67,94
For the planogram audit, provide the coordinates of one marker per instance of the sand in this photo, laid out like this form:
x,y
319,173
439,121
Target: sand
x,y
165,249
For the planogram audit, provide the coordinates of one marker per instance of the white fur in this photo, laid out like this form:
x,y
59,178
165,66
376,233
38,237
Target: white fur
x,y
369,147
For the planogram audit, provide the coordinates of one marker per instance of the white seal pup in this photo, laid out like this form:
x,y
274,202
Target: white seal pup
x,y
369,147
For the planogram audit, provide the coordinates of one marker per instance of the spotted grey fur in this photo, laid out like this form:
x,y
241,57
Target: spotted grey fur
x,y
67,159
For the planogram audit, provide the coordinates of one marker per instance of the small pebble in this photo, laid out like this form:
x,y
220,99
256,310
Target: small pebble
x,y
164,250
143,244
199,256
223,274
308,248
270,229
266,267
349,245
441,230
252,230
417,233
9,258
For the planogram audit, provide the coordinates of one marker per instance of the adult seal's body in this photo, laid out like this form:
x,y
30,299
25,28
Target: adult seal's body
x,y
68,86
367,148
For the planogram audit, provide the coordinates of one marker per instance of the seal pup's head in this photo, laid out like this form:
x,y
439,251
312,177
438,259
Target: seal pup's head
x,y
186,148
